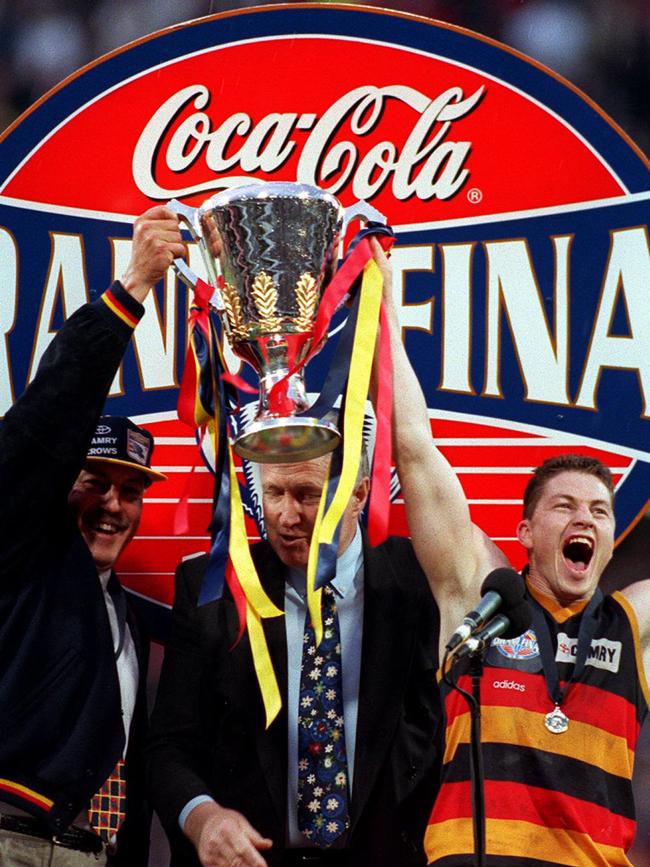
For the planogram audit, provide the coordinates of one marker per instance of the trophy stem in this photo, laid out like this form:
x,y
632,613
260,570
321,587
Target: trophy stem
x,y
278,435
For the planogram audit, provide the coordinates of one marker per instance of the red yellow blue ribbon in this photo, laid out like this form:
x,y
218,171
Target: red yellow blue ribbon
x,y
379,503
328,517
201,404
258,604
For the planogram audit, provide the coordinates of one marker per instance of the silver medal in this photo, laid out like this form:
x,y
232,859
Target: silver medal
x,y
556,721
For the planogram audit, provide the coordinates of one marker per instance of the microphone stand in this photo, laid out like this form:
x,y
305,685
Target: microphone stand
x,y
473,700
478,773
518,617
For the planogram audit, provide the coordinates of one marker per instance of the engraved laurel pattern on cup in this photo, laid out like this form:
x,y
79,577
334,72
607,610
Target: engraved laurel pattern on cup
x,y
264,293
306,297
232,304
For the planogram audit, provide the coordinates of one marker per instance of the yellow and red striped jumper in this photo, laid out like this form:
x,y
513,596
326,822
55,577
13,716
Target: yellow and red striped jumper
x,y
550,798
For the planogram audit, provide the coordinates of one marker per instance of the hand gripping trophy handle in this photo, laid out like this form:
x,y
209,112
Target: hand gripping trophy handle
x,y
187,214
269,251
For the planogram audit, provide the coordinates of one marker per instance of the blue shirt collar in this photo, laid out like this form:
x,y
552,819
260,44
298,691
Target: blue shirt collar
x,y
347,567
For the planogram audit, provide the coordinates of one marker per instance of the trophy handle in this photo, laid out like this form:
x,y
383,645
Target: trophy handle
x,y
187,215
362,211
359,211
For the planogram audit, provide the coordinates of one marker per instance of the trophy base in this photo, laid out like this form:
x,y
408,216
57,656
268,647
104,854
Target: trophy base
x,y
288,440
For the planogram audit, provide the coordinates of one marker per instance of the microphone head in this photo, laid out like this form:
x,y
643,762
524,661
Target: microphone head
x,y
508,584
520,617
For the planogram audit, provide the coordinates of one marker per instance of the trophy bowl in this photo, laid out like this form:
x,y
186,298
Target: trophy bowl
x,y
269,250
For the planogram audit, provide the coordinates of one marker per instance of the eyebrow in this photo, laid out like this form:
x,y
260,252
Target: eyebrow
x,y
596,502
307,488
135,479
268,488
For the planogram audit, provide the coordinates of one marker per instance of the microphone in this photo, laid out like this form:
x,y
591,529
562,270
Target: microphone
x,y
503,587
510,625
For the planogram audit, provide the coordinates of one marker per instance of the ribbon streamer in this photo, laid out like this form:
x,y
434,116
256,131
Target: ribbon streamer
x,y
332,298
203,403
258,604
328,518
379,504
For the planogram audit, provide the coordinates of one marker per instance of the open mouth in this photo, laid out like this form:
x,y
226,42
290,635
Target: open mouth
x,y
578,551
105,528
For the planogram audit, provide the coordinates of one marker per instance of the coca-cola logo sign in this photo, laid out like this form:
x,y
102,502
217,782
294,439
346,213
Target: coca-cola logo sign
x,y
522,260
429,164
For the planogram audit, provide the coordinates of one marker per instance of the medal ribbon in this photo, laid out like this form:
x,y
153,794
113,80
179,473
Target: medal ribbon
x,y
586,632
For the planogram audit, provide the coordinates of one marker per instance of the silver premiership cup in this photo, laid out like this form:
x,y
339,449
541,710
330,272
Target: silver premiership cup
x,y
270,250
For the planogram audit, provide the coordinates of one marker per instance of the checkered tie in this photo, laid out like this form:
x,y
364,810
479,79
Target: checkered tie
x,y
106,812
323,811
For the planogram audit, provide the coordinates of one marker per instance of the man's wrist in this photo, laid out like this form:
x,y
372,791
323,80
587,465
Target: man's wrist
x,y
135,286
122,306
187,809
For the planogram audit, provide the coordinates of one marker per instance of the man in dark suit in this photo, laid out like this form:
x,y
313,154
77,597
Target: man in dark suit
x,y
72,662
227,790
230,784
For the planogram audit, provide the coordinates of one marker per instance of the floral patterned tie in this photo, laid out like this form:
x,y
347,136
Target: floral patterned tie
x,y
323,800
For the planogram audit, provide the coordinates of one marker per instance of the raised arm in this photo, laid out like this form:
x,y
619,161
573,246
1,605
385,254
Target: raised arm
x,y
638,595
41,448
454,553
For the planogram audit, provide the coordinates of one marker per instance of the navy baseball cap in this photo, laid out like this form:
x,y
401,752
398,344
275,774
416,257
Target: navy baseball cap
x,y
119,441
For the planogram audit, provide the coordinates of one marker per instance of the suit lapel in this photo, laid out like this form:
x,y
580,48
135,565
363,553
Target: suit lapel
x,y
389,631
271,744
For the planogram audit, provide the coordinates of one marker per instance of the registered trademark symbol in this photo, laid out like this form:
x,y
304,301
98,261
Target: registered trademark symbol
x,y
474,195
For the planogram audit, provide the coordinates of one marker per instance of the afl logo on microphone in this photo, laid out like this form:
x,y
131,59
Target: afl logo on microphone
x,y
523,647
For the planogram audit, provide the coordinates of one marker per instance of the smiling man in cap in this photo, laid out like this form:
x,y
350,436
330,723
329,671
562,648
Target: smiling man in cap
x,y
107,496
72,660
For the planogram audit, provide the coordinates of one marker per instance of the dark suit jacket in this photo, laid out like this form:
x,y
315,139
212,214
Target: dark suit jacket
x,y
207,732
61,730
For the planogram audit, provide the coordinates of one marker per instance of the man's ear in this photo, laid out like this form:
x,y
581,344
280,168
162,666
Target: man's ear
x,y
524,534
360,495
